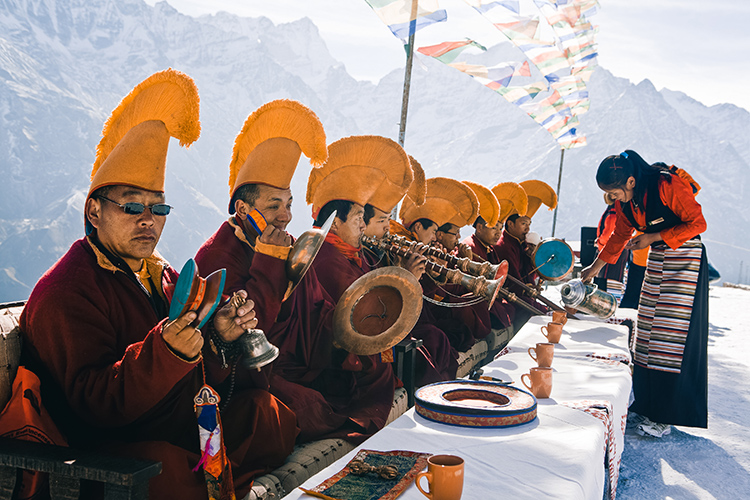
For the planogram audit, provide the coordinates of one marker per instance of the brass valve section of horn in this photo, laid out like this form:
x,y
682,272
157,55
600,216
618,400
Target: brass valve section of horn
x,y
463,264
478,285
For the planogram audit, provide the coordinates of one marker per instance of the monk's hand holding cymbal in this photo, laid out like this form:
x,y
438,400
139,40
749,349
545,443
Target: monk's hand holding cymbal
x,y
237,316
182,339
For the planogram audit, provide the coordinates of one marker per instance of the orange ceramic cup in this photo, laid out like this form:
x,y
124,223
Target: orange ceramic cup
x,y
559,317
445,477
553,332
542,353
540,381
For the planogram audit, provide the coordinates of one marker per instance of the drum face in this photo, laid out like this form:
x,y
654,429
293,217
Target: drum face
x,y
377,311
553,259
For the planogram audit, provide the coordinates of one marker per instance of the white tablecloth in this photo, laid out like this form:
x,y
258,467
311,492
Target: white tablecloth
x,y
561,454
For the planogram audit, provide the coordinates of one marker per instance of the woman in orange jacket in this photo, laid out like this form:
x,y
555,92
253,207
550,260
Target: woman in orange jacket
x,y
670,381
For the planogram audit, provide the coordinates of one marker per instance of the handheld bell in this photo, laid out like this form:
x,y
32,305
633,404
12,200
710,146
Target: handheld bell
x,y
257,350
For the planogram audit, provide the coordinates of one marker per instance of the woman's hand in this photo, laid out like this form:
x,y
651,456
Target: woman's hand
x,y
588,273
642,241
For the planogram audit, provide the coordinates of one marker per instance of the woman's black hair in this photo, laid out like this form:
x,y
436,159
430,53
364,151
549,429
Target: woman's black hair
x,y
614,171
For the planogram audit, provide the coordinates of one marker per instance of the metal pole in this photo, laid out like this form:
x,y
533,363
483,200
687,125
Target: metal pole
x,y
559,181
407,84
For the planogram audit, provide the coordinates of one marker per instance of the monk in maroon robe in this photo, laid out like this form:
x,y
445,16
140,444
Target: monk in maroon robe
x,y
301,327
116,376
513,248
483,249
365,383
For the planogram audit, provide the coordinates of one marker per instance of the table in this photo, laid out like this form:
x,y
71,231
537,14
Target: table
x,y
560,454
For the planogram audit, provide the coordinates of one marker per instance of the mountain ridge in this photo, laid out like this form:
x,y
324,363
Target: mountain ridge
x,y
64,66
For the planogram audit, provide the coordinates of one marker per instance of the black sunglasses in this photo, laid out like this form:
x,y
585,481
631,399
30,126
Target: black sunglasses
x,y
135,208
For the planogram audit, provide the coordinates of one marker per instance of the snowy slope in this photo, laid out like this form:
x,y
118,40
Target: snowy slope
x,y
64,65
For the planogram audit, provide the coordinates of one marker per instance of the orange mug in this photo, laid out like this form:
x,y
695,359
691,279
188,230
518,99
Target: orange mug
x,y
542,353
540,381
445,477
559,317
553,332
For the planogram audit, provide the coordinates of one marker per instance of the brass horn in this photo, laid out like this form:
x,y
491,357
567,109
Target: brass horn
x,y
480,286
463,264
303,252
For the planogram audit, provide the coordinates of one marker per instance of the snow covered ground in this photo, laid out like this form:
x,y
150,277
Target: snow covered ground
x,y
711,463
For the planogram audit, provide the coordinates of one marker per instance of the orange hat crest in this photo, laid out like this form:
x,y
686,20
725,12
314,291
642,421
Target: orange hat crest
x,y
362,169
512,199
538,193
489,207
446,201
417,190
269,146
135,138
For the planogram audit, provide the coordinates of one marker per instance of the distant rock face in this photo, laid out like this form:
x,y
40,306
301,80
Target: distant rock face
x,y
64,65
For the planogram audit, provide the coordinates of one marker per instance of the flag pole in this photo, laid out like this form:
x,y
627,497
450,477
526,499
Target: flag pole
x,y
407,74
407,83
559,181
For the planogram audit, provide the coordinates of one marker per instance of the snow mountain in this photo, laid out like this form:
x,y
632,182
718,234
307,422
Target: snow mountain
x,y
65,64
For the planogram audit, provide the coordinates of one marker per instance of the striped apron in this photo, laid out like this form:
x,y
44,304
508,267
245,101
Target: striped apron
x,y
666,306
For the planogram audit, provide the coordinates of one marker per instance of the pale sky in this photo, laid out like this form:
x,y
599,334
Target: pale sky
x,y
699,47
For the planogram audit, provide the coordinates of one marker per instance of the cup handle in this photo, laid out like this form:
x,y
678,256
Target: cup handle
x,y
524,381
533,356
545,331
428,475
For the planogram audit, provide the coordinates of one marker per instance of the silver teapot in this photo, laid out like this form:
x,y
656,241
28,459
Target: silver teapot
x,y
587,298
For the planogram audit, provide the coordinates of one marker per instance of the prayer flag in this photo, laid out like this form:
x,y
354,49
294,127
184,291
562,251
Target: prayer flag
x,y
397,14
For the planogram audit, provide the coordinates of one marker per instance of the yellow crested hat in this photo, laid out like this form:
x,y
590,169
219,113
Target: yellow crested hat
x,y
135,138
538,192
362,169
446,201
269,146
512,199
418,188
489,207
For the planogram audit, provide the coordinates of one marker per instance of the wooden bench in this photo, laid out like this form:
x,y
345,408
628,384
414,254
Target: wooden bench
x,y
123,478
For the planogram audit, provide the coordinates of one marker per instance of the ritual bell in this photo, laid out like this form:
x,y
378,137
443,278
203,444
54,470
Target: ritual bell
x,y
588,298
257,350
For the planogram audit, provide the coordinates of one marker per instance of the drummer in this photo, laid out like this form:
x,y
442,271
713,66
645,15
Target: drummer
x,y
264,159
436,361
447,203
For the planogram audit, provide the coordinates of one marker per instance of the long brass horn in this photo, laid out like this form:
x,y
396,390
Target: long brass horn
x,y
480,286
303,252
463,264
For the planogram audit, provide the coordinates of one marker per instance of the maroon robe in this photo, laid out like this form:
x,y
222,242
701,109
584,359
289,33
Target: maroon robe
x,y
306,376
502,312
520,267
371,382
93,335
